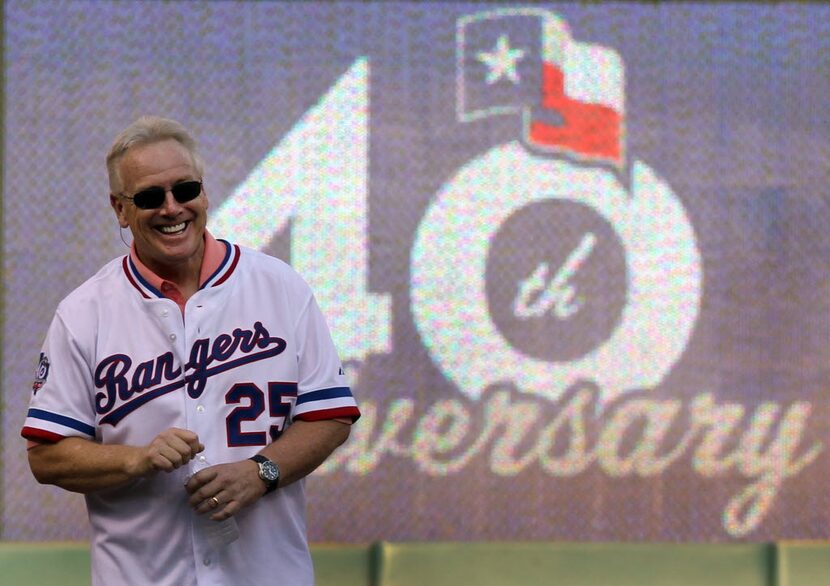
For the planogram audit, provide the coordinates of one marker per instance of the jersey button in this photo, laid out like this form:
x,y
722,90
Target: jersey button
x,y
200,408
206,561
173,337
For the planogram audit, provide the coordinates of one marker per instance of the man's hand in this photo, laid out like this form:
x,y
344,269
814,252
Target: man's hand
x,y
169,450
85,466
234,486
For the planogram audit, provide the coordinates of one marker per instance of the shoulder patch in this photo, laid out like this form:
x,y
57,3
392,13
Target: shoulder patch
x,y
41,373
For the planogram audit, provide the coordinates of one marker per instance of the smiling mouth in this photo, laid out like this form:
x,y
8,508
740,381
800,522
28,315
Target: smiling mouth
x,y
172,229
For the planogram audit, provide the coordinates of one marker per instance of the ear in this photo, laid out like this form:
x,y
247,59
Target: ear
x,y
120,210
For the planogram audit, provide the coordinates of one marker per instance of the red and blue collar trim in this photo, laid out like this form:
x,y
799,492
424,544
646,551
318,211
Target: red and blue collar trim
x,y
226,268
222,274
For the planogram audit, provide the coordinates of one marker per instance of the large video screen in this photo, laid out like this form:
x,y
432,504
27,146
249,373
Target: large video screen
x,y
575,257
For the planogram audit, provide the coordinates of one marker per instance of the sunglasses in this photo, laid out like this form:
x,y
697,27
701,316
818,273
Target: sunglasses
x,y
153,197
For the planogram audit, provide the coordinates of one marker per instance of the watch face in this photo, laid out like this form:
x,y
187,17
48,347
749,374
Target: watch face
x,y
269,471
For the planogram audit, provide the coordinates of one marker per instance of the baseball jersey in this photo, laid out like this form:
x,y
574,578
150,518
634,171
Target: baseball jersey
x,y
251,353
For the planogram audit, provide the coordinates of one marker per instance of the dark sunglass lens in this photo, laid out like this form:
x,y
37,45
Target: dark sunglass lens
x,y
149,198
186,191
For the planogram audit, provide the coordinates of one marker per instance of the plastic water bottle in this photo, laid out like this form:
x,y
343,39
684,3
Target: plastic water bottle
x,y
218,533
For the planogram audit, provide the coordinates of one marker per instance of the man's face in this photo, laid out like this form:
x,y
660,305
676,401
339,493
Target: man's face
x,y
169,238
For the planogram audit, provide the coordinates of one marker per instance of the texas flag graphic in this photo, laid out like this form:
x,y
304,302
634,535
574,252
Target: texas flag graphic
x,y
570,94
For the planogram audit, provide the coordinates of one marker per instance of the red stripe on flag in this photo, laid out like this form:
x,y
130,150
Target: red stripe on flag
x,y
592,130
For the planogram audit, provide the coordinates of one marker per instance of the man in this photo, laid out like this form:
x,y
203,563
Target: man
x,y
187,349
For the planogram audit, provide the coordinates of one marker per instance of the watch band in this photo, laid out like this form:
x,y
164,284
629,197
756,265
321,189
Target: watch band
x,y
262,461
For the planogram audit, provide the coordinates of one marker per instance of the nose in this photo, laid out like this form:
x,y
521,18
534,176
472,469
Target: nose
x,y
170,207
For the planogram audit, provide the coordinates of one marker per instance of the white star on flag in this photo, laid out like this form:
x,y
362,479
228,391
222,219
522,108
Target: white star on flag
x,y
570,95
501,61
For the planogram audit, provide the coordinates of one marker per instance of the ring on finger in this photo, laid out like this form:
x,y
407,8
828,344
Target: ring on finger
x,y
215,502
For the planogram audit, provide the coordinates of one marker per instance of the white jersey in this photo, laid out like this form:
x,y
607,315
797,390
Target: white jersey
x,y
121,364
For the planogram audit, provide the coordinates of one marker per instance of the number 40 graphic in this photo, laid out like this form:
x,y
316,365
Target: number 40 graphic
x,y
317,177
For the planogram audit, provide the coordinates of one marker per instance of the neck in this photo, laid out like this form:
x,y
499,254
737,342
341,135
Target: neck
x,y
186,279
184,275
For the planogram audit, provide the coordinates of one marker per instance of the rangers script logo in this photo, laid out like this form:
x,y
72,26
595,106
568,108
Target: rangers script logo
x,y
136,385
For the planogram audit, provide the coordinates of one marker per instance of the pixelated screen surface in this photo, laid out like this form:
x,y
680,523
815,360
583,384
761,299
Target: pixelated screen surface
x,y
573,256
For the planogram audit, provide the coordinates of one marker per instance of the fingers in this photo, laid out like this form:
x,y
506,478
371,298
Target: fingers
x,y
211,505
200,479
218,507
223,490
172,449
226,511
190,438
202,487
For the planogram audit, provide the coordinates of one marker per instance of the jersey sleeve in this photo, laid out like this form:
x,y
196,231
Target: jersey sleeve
x,y
322,390
61,403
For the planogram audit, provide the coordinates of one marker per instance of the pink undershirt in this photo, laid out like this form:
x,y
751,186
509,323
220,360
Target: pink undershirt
x,y
213,256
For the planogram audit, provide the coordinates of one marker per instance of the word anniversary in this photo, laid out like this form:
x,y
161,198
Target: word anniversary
x,y
637,435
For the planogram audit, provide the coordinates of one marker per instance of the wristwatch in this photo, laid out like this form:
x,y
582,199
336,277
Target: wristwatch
x,y
269,472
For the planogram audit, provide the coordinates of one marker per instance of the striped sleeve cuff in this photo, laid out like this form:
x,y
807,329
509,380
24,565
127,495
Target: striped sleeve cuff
x,y
43,425
333,403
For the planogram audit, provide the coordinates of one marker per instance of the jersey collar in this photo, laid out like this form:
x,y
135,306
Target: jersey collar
x,y
218,263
